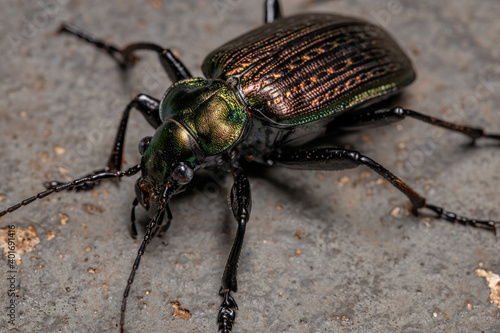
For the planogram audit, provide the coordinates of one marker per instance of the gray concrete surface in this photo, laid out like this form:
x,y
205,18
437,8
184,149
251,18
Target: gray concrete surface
x,y
363,265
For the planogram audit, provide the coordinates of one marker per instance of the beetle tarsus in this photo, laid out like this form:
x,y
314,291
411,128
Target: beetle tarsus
x,y
123,59
126,58
369,118
455,218
473,132
73,184
227,312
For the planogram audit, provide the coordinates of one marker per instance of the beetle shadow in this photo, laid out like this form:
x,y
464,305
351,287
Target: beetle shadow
x,y
296,194
208,187
473,145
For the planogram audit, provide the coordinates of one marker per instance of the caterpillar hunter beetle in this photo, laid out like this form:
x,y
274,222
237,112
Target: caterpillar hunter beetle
x,y
266,96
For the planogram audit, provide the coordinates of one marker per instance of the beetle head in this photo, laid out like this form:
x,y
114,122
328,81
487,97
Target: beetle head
x,y
169,160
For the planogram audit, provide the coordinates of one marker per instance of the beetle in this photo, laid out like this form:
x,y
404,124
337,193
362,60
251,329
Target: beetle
x,y
261,111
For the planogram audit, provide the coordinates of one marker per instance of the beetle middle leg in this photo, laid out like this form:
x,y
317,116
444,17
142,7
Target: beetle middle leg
x,y
339,159
149,108
241,204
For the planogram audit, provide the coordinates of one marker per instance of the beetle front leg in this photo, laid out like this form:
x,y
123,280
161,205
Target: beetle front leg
x,y
150,109
241,204
339,159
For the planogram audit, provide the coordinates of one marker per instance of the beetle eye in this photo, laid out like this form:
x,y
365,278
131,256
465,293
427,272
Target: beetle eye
x,y
182,174
144,144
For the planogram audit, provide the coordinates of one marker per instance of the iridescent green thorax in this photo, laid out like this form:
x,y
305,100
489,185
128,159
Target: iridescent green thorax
x,y
209,110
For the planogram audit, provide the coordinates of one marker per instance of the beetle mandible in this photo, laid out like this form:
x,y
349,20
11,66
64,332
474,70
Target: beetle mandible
x,y
266,96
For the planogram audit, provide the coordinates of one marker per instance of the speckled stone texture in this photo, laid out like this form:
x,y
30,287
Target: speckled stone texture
x,y
324,252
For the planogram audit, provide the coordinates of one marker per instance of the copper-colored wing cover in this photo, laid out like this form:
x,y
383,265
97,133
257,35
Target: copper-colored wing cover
x,y
307,67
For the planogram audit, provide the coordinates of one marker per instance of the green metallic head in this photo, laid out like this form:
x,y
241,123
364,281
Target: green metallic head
x,y
169,159
202,119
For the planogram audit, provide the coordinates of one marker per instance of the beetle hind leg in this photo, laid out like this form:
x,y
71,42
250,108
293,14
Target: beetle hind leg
x,y
472,132
339,159
370,117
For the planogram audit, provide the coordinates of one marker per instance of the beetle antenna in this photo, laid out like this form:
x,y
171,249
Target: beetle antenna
x,y
153,225
92,179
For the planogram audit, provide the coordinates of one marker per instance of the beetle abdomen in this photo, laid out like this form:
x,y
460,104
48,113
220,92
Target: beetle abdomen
x,y
307,67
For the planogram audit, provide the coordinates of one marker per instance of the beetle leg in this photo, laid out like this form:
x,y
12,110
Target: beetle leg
x,y
72,184
150,109
338,159
173,66
241,204
383,116
126,58
272,11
